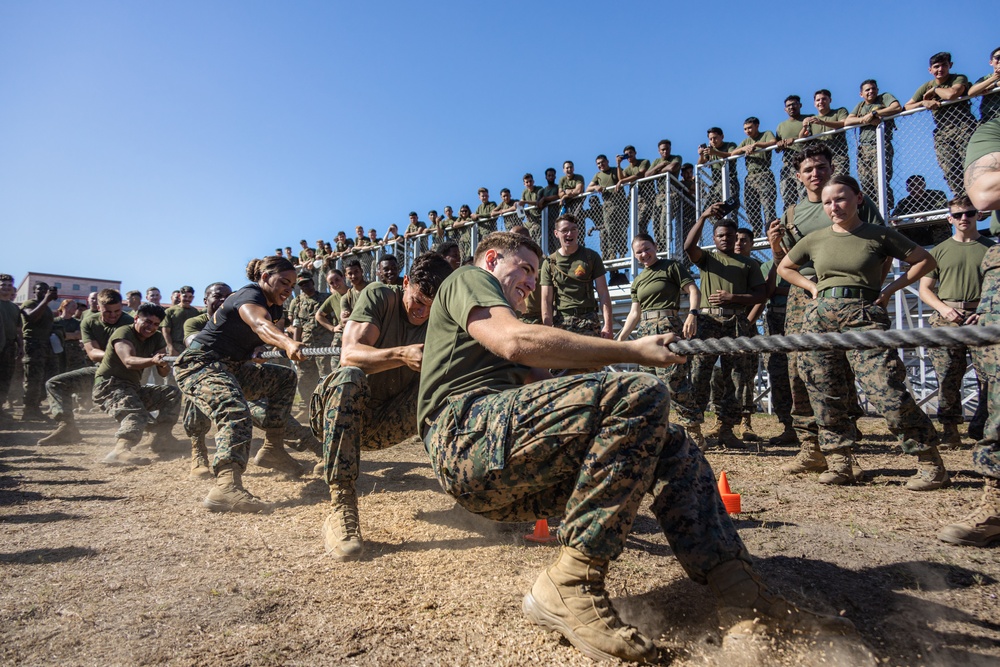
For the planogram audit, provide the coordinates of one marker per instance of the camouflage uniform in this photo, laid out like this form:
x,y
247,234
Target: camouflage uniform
x,y
880,372
587,448
587,324
130,405
949,365
302,311
729,410
61,388
676,377
986,455
38,361
221,388
347,419
777,367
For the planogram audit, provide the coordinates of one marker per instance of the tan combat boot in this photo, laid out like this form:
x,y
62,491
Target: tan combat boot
x,y
273,455
950,437
163,443
931,474
839,468
569,597
747,429
809,459
694,432
980,528
342,529
64,434
122,455
228,494
200,467
786,437
742,596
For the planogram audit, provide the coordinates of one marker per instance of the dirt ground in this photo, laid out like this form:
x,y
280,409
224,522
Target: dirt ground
x,y
105,566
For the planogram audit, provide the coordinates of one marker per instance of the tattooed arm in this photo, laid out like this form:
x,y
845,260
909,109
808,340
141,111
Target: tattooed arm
x,y
982,182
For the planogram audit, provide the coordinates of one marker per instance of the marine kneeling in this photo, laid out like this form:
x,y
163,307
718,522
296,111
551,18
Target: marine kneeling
x,y
118,387
370,402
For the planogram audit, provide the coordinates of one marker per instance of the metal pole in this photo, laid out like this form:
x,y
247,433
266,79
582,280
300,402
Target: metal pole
x,y
633,227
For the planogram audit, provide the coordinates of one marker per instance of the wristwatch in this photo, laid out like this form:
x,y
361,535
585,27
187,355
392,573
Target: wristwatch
x,y
694,311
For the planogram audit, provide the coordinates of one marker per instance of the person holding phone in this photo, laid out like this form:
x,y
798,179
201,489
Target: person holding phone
x,y
39,361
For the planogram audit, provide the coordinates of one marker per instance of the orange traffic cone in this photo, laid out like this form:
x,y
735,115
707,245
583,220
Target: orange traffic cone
x,y
541,534
729,499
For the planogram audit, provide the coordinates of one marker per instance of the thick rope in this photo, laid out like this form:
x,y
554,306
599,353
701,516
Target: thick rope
x,y
972,336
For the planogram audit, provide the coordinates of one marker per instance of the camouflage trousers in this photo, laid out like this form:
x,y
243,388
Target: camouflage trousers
x,y
585,325
76,357
950,141
586,447
8,361
777,370
950,365
676,377
759,192
197,424
986,455
868,171
334,359
221,389
880,373
130,404
61,389
733,367
347,419
39,365
803,418
308,374
792,189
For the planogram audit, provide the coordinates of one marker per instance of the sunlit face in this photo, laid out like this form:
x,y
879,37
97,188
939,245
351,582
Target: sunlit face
x,y
840,203
134,301
744,244
92,298
187,298
645,252
416,303
567,233
940,71
413,219
602,164
215,297
814,172
372,235
175,297
505,197
664,150
516,273
484,196
146,325
568,168
869,93
278,286
725,239
822,103
110,312
388,272
336,282
356,276
792,108
715,139
464,212
751,129
529,183
963,218
448,212
69,310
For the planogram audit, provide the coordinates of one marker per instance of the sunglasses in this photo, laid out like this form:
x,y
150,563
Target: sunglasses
x,y
965,214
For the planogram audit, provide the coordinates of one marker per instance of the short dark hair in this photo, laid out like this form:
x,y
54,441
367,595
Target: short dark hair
x,y
602,156
715,130
552,169
994,52
664,141
568,162
6,277
151,310
823,91
219,284
812,150
507,190
910,180
506,241
630,147
186,289
432,212
744,230
940,57
961,201
445,247
482,190
427,272
527,176
866,82
413,214
752,119
726,222
793,98
132,293
351,263
388,257
109,297
568,217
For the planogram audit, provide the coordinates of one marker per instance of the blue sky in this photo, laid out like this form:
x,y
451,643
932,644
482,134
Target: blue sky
x,y
169,143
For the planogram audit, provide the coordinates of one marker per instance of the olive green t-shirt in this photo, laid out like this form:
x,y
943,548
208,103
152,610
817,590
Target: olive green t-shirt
x,y
94,330
758,161
454,362
866,133
484,210
633,169
728,147
569,182
416,227
959,112
605,179
851,259
984,141
195,324
989,107
175,318
776,299
332,307
549,191
729,273
809,217
112,365
382,306
573,278
958,271
41,328
838,142
670,159
659,286
348,300
532,195
789,129
10,319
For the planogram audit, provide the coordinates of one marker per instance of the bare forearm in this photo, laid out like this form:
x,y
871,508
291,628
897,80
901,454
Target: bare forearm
x,y
371,359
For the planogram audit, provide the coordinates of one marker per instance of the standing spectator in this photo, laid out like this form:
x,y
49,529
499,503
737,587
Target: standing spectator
x,y
954,123
613,208
759,190
827,119
133,299
172,326
550,193
175,297
958,277
652,195
506,205
391,235
435,226
278,252
485,208
776,289
874,108
787,133
462,229
304,329
730,286
919,199
716,149
11,344
988,86
414,231
36,327
321,247
152,296
294,259
570,187
636,169
387,271
341,244
448,218
328,315
356,276
92,304
531,196
569,279
302,253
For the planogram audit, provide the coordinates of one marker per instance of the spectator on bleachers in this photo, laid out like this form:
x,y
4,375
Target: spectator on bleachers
x,y
919,198
485,208
448,219
716,149
530,196
294,259
343,244
652,194
874,108
387,271
788,131
391,235
826,119
305,247
607,213
506,205
570,186
759,190
321,247
988,86
550,192
133,301
954,123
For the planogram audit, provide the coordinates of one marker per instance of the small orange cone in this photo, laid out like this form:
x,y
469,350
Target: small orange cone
x,y
541,534
729,499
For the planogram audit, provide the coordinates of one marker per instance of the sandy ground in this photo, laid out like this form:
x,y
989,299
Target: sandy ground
x,y
105,566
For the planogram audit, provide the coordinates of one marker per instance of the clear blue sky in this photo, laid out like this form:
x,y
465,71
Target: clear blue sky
x,y
168,143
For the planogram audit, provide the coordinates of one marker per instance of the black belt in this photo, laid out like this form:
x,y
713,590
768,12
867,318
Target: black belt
x,y
578,312
849,293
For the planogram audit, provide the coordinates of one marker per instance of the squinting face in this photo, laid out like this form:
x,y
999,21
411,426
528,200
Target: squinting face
x,y
187,298
388,272
146,326
822,103
356,276
110,312
813,173
278,286
869,93
645,252
516,273
335,281
567,232
840,203
216,297
715,139
792,108
664,150
602,164
940,70
416,303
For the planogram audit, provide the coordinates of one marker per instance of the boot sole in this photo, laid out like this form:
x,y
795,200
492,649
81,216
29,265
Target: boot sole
x,y
958,541
930,487
215,506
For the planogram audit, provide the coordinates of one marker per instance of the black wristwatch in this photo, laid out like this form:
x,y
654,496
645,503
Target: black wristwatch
x,y
694,311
